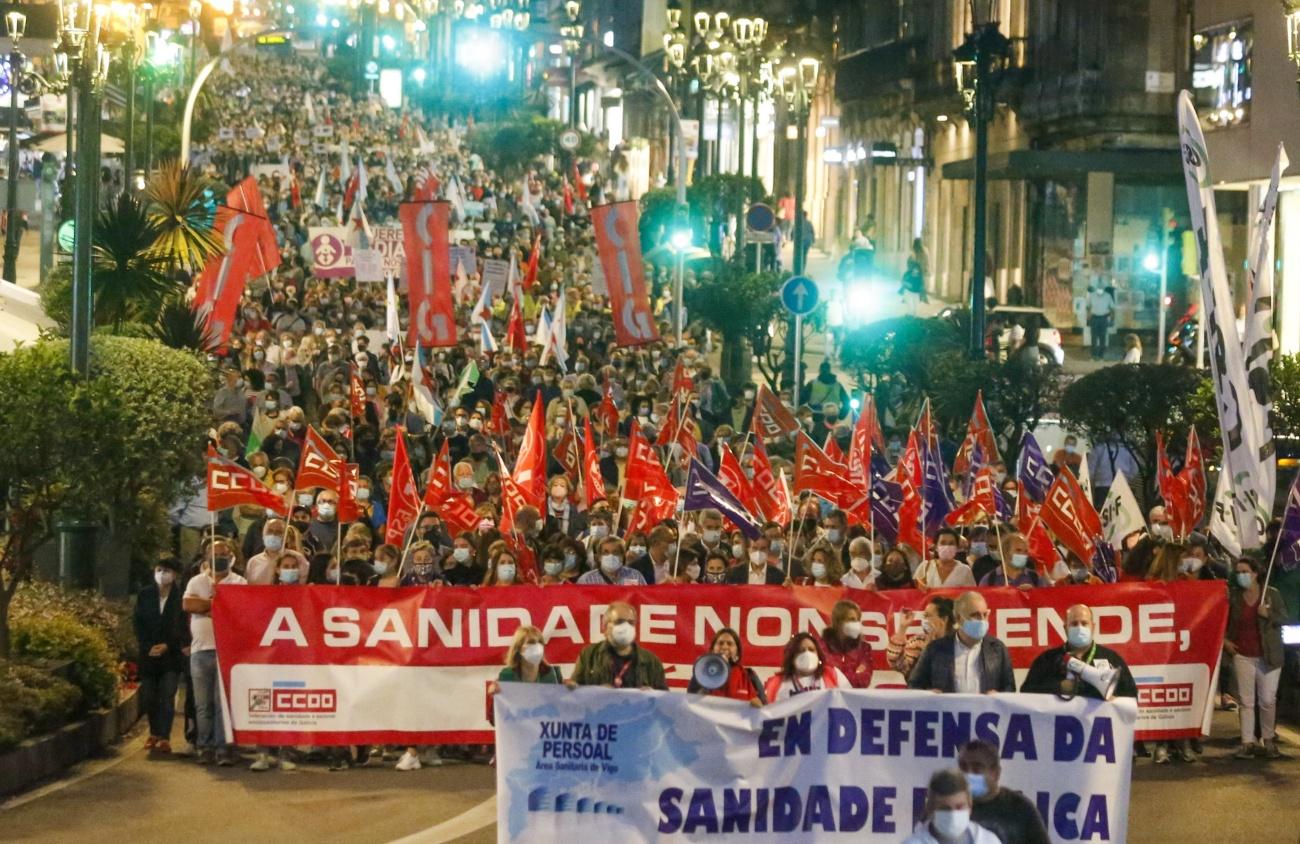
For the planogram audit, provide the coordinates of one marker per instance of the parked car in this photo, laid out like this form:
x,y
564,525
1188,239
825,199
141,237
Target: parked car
x,y
1019,320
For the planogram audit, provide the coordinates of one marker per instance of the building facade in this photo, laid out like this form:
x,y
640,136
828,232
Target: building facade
x,y
1085,183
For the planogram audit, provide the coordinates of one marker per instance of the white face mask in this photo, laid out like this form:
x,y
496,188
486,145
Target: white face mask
x,y
281,487
711,537
610,563
460,554
737,550
326,511
506,573
946,552
532,652
818,570
272,541
637,550
304,499
693,571
757,557
806,662
852,629
164,577
859,564
951,823
623,634
599,531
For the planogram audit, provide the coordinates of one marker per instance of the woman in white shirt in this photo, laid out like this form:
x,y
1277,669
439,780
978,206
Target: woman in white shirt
x,y
803,669
945,571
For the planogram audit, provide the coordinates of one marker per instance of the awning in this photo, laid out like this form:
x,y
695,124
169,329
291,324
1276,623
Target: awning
x,y
58,143
1152,165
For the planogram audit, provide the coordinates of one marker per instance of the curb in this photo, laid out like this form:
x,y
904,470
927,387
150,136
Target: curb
x,y
45,756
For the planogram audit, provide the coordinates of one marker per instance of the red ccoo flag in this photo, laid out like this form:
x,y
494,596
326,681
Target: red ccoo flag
x,y
643,475
356,395
347,490
530,464
404,497
1173,489
1193,477
607,414
866,436
978,431
316,466
815,472
439,487
1070,516
733,478
458,514
516,334
767,492
911,476
230,484
593,481
772,419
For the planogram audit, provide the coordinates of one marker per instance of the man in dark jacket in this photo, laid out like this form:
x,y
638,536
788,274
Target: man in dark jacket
x,y
968,660
618,661
757,570
1007,813
163,635
1050,672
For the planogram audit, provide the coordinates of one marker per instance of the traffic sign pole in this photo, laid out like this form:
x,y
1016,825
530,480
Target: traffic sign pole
x,y
800,296
798,358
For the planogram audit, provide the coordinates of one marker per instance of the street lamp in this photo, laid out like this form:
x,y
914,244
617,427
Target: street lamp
x,y
798,82
1291,8
15,28
984,48
572,33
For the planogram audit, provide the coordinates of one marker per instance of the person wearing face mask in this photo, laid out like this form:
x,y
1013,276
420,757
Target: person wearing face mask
x,y
460,567
552,565
1049,673
617,660
715,568
610,567
821,569
945,571
979,555
835,535
1068,456
526,661
324,528
757,571
562,517
968,660
711,530
905,648
597,530
163,639
738,549
261,569
742,683
803,669
1158,519
895,570
215,572
861,574
1017,569
845,646
421,568
1007,813
660,560
503,568
947,814
1254,641
1079,573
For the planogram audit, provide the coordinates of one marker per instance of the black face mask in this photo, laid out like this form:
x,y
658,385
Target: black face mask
x,y
713,578
301,526
221,564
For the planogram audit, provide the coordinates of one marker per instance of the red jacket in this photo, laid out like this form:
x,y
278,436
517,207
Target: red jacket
x,y
856,662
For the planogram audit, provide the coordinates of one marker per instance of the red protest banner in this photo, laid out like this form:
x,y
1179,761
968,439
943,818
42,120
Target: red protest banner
x,y
409,666
428,273
618,244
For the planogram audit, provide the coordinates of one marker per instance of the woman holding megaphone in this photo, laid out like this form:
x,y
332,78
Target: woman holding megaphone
x,y
720,673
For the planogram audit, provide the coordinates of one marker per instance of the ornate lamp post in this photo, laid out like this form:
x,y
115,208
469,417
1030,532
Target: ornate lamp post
x,y
1291,9
798,83
983,50
15,28
572,32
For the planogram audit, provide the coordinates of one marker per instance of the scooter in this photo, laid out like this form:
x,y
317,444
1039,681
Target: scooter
x,y
1180,344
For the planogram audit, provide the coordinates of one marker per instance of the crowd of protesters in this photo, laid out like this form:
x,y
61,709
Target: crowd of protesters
x,y
299,340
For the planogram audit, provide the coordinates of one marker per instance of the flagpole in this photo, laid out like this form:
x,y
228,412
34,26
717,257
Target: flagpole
x,y
406,544
1271,560
677,559
1002,557
581,458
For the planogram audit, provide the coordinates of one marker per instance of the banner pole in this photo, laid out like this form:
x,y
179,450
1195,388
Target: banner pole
x,y
406,543
1272,558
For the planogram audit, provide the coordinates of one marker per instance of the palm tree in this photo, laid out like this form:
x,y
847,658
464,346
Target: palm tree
x,y
182,207
131,278
179,327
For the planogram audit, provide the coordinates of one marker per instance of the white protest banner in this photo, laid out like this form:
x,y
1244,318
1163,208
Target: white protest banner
x,y
599,764
368,264
387,242
1120,514
496,274
1236,412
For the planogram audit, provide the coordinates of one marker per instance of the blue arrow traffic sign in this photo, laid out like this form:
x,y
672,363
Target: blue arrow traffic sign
x,y
800,295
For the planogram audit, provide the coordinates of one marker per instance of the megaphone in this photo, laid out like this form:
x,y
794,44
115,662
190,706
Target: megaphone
x,y
1103,680
711,672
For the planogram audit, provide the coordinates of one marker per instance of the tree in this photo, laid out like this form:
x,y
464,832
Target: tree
x,y
898,361
738,305
182,205
508,147
1016,397
130,276
116,447
1129,404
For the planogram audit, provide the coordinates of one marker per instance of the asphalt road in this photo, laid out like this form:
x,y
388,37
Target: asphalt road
x,y
127,797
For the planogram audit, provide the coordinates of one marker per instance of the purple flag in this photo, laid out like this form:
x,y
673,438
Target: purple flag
x,y
935,495
704,491
1032,470
886,498
1288,540
977,462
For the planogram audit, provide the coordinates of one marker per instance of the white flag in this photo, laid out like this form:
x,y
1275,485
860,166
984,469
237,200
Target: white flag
x,y
526,204
482,314
392,325
1259,333
1237,421
556,337
320,198
1085,479
455,197
1120,514
310,108
542,334
422,392
345,161
390,173
1223,518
